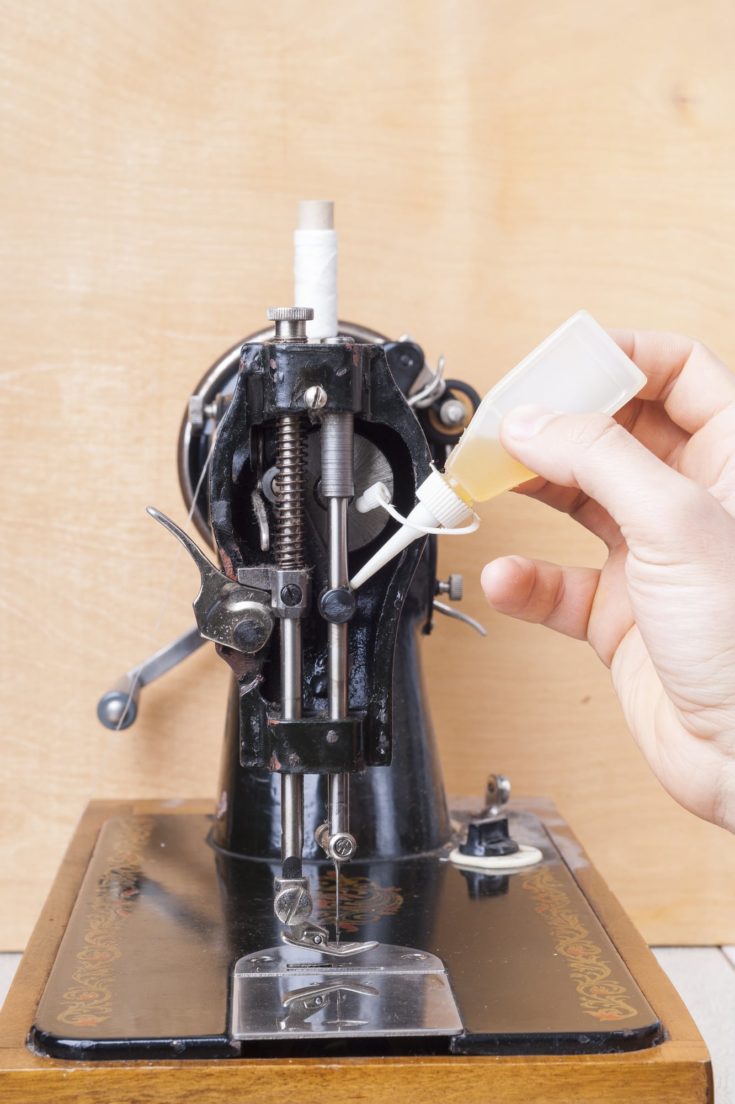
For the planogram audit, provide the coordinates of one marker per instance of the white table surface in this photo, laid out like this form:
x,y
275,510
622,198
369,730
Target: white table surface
x,y
704,976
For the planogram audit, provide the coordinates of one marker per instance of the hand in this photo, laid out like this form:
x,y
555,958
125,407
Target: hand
x,y
657,485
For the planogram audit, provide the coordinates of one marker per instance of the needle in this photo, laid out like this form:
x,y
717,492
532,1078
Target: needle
x,y
336,902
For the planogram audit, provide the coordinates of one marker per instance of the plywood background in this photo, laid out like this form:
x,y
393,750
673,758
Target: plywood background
x,y
496,165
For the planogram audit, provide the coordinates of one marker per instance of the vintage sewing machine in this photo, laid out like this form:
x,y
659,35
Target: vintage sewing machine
x,y
330,905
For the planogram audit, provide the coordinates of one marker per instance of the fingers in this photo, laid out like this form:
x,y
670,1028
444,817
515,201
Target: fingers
x,y
709,457
559,597
578,505
651,425
656,507
683,374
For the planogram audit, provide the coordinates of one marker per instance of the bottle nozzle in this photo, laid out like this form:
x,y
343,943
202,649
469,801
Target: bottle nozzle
x,y
439,507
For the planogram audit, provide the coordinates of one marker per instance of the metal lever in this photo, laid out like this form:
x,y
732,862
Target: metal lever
x,y
442,607
227,612
118,708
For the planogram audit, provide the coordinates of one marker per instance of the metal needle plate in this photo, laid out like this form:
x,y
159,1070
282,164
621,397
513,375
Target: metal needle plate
x,y
293,992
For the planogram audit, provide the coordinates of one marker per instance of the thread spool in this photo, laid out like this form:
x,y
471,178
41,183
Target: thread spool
x,y
315,266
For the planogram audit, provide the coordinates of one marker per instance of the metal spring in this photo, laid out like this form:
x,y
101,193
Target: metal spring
x,y
291,463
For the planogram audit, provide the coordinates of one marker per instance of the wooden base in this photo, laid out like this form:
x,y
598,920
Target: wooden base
x,y
676,1071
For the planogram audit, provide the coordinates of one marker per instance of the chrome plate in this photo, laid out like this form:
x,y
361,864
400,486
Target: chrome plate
x,y
293,992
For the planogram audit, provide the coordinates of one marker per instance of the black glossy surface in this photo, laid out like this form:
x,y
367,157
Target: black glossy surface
x,y
395,810
145,964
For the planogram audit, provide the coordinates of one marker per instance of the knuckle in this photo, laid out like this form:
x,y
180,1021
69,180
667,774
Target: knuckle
x,y
598,430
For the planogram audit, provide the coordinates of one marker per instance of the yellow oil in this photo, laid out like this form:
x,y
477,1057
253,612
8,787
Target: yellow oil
x,y
483,469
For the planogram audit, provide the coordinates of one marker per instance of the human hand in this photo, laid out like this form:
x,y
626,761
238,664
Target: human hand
x,y
657,485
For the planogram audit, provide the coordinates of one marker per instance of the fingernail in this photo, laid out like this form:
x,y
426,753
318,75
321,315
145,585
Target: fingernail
x,y
527,421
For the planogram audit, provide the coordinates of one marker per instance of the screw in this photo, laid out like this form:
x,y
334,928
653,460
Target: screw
x,y
498,790
337,605
332,736
293,902
248,635
290,322
342,846
453,587
315,397
291,594
453,413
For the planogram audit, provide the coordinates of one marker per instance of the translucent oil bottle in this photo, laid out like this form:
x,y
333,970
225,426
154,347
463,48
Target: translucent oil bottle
x,y
578,369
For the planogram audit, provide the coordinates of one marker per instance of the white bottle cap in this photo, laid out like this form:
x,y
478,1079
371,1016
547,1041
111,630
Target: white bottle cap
x,y
445,504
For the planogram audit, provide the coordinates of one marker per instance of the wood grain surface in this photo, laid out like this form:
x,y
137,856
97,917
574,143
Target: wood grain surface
x,y
495,167
677,1071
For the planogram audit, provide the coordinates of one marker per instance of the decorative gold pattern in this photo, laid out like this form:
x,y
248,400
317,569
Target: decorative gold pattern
x,y
89,1002
361,901
600,994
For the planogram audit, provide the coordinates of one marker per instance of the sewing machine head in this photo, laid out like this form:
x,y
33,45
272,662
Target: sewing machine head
x,y
284,440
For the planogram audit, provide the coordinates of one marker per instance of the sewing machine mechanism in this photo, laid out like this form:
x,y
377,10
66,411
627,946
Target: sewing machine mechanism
x,y
331,904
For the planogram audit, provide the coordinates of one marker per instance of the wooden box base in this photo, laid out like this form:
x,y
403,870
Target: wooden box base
x,y
678,1070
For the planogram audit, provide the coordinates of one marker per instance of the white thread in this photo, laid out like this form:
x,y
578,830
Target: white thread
x,y
315,279
438,531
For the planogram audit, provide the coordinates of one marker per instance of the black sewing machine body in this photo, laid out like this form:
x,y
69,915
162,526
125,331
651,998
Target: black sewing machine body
x,y
174,949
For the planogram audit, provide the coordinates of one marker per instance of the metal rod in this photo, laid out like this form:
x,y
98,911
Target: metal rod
x,y
337,487
290,554
292,785
337,637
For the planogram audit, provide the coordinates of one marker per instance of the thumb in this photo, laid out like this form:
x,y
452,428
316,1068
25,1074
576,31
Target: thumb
x,y
649,500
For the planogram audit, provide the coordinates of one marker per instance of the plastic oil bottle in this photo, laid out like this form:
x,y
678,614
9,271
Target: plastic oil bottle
x,y
578,369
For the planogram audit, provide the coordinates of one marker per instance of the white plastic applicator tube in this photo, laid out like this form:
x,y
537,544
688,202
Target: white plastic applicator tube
x,y
315,266
438,507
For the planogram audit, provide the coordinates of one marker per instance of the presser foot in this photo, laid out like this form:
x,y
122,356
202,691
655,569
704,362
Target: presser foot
x,y
314,937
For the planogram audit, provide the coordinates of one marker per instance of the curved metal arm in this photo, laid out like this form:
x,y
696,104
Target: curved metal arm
x,y
118,708
229,613
442,607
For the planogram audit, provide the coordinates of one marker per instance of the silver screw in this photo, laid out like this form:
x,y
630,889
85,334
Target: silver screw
x,y
453,587
342,846
290,322
497,792
315,397
292,901
453,413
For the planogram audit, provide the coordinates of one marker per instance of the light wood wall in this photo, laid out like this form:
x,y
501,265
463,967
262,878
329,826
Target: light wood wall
x,y
495,165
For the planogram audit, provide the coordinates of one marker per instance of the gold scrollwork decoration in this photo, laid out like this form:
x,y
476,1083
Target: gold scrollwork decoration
x,y
88,1002
600,994
361,901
